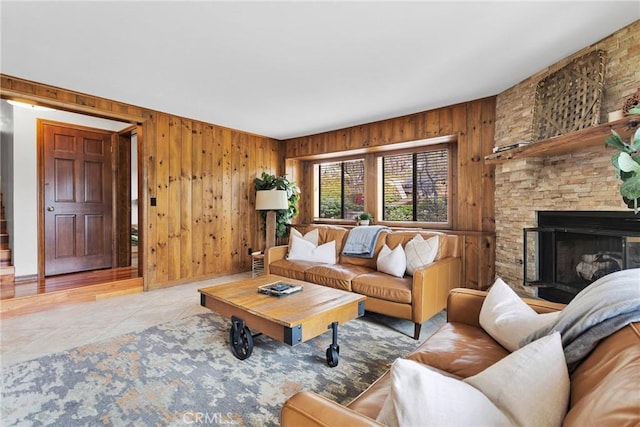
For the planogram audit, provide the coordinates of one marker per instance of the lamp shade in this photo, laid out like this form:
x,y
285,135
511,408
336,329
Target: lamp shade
x,y
271,200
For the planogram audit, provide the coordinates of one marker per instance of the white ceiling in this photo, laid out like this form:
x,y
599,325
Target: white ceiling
x,y
286,69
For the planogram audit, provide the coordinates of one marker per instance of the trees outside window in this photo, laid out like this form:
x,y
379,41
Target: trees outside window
x,y
341,189
413,186
416,186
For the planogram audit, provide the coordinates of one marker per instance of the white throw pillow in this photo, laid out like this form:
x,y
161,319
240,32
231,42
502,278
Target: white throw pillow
x,y
303,250
508,319
311,236
530,387
420,252
420,396
392,262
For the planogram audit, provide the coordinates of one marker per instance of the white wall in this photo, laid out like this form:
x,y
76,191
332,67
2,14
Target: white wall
x,y
25,239
6,163
134,179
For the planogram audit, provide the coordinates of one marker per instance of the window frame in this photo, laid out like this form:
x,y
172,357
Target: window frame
x,y
448,147
373,184
317,190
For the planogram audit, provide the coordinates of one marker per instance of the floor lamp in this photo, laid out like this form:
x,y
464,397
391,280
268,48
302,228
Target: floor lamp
x,y
271,201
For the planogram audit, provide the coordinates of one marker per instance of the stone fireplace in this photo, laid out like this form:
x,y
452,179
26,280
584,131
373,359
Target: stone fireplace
x,y
582,180
568,250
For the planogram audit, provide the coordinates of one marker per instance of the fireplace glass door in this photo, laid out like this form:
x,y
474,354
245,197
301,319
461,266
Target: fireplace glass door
x,y
561,262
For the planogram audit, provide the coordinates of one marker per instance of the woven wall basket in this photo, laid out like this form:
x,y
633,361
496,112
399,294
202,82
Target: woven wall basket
x,y
568,100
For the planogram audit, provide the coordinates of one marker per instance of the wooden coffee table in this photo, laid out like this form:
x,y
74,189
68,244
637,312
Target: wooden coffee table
x,y
291,319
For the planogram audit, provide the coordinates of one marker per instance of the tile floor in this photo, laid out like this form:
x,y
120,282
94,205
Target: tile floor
x,y
35,335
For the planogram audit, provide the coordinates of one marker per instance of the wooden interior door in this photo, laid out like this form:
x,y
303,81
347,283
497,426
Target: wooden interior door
x,y
78,197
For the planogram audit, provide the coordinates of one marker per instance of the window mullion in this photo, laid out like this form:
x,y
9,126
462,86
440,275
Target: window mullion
x,y
342,190
320,189
414,158
384,196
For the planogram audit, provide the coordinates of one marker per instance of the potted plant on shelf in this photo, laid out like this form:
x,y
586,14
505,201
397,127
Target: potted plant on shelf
x,y
627,164
283,217
365,218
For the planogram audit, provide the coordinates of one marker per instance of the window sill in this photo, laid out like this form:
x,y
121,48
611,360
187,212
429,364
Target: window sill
x,y
391,224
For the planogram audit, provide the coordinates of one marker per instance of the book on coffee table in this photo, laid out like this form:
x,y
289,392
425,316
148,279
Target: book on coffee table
x,y
279,289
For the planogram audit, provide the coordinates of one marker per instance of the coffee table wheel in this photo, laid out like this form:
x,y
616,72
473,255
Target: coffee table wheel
x,y
240,339
333,352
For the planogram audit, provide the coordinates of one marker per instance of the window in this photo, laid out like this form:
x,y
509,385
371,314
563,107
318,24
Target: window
x,y
341,189
416,186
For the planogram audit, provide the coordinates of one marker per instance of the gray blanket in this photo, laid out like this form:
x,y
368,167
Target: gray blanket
x,y
361,241
602,308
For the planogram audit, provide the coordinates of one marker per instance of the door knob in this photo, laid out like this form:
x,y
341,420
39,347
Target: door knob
x,y
51,208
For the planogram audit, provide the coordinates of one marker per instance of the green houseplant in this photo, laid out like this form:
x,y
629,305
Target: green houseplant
x,y
283,217
365,218
627,164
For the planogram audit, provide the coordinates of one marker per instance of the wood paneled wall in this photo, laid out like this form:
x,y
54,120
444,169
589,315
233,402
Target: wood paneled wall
x,y
201,176
472,125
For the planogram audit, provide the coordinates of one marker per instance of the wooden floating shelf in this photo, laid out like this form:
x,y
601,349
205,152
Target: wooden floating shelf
x,y
562,144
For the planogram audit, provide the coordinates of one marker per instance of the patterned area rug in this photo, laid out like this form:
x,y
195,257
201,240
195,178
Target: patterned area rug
x,y
183,373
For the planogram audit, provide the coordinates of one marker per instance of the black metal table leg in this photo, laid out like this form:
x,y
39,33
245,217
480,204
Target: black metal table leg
x,y
334,349
240,339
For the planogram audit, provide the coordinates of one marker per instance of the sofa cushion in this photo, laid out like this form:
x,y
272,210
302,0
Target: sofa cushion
x,y
508,319
402,237
337,276
304,250
328,233
292,269
392,262
420,396
459,349
383,286
312,236
420,252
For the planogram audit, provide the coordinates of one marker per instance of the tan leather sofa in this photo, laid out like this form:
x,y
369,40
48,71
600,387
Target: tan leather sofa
x,y
605,387
414,298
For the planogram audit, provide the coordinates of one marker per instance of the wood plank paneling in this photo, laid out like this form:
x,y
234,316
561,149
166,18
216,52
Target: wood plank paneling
x,y
197,205
186,192
210,199
161,210
201,176
488,221
148,229
175,206
224,196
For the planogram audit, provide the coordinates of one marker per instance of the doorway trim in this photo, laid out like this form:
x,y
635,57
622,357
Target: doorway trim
x,y
67,100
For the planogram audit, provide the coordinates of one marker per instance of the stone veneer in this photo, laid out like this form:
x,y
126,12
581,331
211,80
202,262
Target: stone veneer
x,y
581,180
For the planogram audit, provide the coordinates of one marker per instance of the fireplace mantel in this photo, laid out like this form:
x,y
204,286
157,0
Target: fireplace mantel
x,y
584,138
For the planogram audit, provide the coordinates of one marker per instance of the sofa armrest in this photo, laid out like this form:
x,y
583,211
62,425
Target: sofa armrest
x,y
431,286
310,409
274,254
464,305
